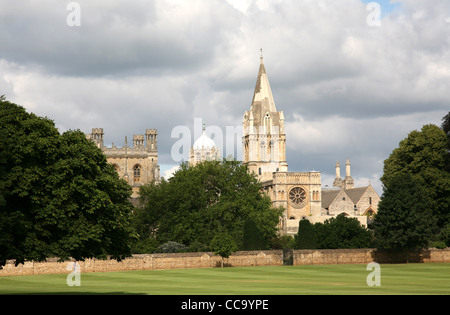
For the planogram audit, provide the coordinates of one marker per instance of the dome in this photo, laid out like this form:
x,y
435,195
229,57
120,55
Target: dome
x,y
204,142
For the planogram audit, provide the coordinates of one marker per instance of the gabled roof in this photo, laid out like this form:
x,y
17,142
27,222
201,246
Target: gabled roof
x,y
355,194
328,196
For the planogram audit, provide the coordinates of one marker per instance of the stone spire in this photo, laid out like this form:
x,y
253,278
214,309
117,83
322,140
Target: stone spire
x,y
348,180
338,181
262,97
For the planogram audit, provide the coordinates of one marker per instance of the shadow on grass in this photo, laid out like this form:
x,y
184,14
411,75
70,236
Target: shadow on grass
x,y
74,293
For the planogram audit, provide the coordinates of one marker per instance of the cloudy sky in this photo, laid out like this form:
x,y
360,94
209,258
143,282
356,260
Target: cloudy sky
x,y
351,85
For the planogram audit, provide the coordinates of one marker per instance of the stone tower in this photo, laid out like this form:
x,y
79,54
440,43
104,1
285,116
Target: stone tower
x,y
264,153
138,165
264,139
97,137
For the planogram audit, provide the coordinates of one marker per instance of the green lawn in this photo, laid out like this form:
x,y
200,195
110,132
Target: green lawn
x,y
286,280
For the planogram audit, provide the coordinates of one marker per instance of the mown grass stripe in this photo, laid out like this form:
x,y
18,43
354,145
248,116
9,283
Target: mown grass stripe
x,y
285,280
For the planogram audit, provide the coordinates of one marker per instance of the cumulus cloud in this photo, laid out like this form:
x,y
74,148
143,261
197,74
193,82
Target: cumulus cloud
x,y
169,173
348,89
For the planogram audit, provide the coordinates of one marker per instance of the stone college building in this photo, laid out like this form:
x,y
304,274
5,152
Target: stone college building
x,y
299,193
264,152
138,164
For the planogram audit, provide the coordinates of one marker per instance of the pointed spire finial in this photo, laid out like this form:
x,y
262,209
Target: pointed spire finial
x,y
262,57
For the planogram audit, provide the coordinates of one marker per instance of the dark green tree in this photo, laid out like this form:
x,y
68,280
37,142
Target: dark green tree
x,y
199,201
446,128
306,237
423,155
342,232
404,220
253,238
58,195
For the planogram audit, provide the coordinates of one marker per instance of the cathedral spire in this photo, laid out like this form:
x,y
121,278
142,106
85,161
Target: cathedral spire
x,y
262,97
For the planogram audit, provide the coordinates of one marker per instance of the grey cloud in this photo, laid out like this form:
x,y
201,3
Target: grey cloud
x,y
130,38
348,90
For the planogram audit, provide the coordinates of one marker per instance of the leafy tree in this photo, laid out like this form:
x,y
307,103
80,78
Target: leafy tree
x,y
446,128
306,237
446,124
199,201
423,155
444,236
223,245
58,195
253,238
342,232
283,242
171,247
404,220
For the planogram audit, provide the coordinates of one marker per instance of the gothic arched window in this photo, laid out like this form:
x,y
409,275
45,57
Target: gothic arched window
x,y
137,173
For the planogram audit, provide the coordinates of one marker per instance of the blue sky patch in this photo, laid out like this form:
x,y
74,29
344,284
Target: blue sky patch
x,y
387,6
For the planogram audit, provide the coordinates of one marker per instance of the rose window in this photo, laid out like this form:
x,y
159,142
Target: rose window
x,y
297,197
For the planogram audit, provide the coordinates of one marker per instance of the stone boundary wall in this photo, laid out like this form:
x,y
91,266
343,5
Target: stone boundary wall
x,y
238,259
332,256
366,256
148,262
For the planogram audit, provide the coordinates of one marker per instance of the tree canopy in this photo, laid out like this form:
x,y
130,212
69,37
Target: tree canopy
x,y
423,155
203,200
446,128
223,245
306,237
334,233
404,220
58,195
342,232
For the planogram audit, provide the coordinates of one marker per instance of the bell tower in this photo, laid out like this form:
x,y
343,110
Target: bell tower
x,y
264,140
